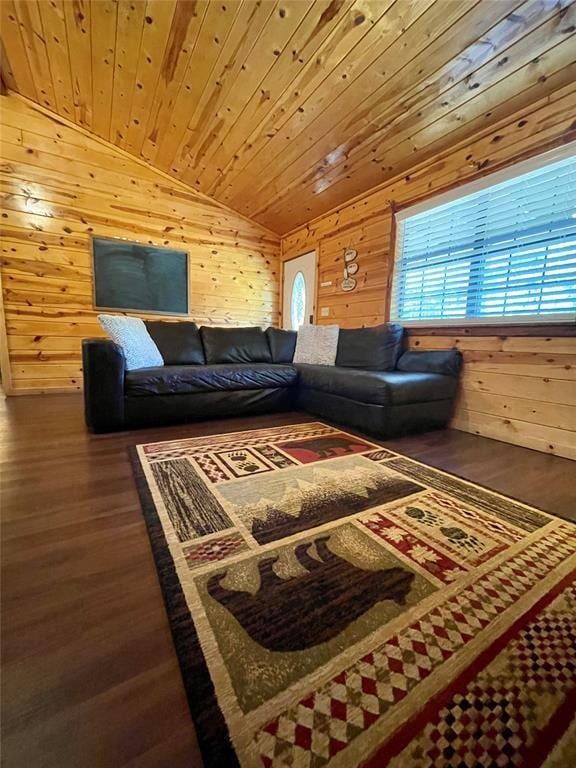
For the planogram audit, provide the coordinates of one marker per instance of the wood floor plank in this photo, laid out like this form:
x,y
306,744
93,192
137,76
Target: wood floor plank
x,y
90,677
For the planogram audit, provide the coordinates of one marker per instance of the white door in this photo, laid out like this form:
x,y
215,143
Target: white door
x,y
299,291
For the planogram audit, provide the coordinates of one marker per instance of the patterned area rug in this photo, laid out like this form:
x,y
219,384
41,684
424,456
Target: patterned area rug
x,y
336,604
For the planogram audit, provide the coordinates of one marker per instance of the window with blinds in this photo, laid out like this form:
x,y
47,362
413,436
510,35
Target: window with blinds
x,y
504,252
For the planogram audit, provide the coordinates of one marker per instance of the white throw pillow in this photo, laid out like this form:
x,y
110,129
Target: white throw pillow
x,y
131,334
317,344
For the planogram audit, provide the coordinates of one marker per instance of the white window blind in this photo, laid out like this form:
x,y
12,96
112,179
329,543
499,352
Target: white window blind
x,y
506,252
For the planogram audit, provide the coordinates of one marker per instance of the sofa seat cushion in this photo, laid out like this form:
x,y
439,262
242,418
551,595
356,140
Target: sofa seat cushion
x,y
378,387
179,379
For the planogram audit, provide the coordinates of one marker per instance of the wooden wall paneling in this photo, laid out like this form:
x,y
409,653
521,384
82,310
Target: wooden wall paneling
x,y
56,193
486,342
530,435
561,368
519,409
371,239
23,198
23,294
248,264
519,390
56,40
16,251
5,363
14,135
38,345
545,388
58,130
95,172
50,157
42,269
78,33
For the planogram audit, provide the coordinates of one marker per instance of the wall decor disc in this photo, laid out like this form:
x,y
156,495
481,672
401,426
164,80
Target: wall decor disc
x,y
352,268
348,284
350,254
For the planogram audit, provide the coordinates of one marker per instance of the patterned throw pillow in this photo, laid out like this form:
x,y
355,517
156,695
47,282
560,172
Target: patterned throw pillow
x,y
317,344
130,333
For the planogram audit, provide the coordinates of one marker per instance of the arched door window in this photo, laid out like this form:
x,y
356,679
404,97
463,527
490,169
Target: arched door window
x,y
298,301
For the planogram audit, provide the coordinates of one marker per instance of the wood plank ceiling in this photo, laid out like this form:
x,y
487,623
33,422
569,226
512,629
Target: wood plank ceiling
x,y
283,110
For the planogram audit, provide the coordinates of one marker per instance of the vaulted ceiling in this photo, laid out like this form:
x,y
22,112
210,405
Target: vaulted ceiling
x,y
283,110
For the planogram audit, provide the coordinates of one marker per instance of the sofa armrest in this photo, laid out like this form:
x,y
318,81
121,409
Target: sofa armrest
x,y
104,367
446,361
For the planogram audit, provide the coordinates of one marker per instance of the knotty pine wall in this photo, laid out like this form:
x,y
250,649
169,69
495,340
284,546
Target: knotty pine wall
x,y
517,386
59,186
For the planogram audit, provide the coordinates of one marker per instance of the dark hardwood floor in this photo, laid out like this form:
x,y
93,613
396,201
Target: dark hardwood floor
x,y
90,678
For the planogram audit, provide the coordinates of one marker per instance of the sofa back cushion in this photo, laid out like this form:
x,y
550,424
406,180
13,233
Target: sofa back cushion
x,y
235,345
130,333
446,361
179,343
373,349
282,344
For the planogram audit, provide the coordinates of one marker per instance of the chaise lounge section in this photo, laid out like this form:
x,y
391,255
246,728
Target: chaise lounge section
x,y
216,372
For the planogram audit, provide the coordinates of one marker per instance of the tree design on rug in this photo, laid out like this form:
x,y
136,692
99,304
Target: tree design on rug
x,y
301,612
332,497
277,505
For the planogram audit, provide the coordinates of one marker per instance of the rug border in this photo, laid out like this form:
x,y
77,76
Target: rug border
x,y
401,737
207,717
473,483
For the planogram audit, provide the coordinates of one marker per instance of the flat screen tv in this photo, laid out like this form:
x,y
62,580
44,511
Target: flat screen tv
x,y
139,277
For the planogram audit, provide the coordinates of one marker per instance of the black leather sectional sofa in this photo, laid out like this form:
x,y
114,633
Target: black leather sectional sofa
x,y
374,386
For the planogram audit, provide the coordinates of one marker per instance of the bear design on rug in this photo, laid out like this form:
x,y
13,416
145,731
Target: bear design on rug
x,y
328,447
298,613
